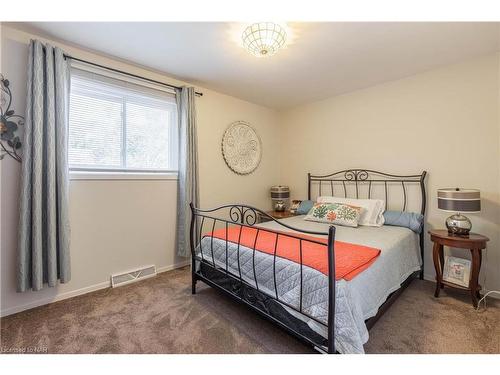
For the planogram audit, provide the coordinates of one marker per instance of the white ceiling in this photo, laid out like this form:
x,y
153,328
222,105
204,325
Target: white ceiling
x,y
322,59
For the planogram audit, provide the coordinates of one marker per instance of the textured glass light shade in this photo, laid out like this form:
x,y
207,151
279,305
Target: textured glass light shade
x,y
264,38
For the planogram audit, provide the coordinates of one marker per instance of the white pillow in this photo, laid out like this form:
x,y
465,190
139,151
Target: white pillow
x,y
372,214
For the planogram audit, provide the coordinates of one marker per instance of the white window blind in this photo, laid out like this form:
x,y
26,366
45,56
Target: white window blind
x,y
116,125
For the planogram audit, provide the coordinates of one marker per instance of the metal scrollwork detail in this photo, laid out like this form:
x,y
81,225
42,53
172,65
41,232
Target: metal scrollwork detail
x,y
250,216
243,215
236,214
356,175
362,175
350,175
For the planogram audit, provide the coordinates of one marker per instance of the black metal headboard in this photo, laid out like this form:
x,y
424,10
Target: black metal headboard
x,y
353,180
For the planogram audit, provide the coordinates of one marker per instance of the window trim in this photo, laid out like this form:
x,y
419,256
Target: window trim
x,y
121,175
107,173
122,77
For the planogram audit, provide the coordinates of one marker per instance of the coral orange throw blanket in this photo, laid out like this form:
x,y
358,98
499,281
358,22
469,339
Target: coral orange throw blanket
x,y
350,259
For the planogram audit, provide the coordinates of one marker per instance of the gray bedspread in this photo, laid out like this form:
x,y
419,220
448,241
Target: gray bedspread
x,y
356,300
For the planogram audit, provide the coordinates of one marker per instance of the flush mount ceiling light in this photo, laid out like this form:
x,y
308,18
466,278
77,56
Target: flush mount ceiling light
x,y
264,38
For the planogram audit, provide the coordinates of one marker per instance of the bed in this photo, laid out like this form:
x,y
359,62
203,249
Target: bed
x,y
331,313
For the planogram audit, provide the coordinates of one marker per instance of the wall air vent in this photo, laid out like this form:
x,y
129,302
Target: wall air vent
x,y
127,277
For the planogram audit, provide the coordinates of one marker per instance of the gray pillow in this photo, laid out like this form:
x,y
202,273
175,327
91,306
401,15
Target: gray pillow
x,y
410,220
304,207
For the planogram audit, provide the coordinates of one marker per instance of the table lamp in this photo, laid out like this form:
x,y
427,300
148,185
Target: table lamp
x,y
459,200
279,194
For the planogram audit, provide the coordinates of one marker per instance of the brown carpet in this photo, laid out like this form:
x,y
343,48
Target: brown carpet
x,y
160,315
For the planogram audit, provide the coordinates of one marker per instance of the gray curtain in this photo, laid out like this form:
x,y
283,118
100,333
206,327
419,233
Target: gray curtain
x,y
43,255
188,167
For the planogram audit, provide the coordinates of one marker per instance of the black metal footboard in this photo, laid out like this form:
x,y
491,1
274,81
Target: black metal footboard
x,y
217,273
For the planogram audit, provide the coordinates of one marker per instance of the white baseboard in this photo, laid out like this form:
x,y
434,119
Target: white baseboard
x,y
429,277
483,291
58,297
77,292
174,266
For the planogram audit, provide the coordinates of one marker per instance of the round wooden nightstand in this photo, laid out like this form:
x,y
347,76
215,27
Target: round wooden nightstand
x,y
475,243
275,214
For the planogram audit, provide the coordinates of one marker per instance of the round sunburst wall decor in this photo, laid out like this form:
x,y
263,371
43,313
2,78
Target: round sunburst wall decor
x,y
241,148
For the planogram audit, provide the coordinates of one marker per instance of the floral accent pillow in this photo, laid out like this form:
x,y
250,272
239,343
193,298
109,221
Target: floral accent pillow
x,y
335,213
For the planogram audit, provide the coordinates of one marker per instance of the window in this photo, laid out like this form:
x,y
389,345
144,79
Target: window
x,y
120,126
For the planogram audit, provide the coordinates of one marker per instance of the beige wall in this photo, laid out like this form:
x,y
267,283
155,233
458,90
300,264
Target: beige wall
x,y
444,121
218,184
118,225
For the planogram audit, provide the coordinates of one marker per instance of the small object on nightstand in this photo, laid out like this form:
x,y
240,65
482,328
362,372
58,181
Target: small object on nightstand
x,y
475,243
276,215
459,200
457,270
280,196
295,206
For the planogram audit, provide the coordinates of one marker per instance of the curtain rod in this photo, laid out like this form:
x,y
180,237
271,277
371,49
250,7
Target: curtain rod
x,y
126,73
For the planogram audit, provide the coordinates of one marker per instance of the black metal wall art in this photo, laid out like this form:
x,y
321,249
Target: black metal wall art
x,y
9,123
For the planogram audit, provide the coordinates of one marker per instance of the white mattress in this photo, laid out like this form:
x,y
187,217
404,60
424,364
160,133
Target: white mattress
x,y
356,300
